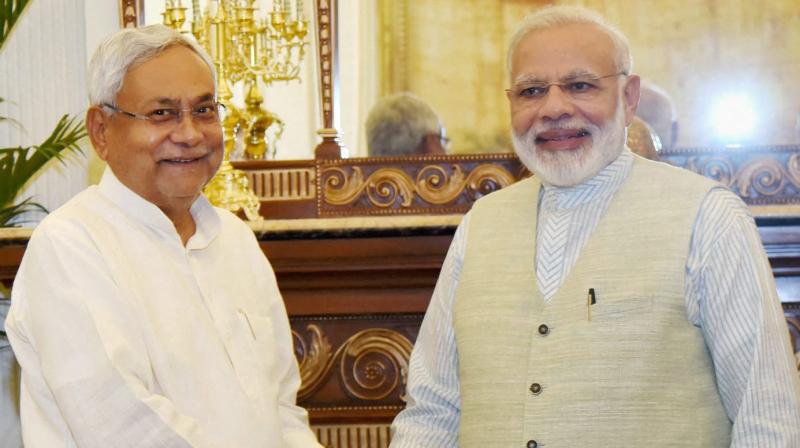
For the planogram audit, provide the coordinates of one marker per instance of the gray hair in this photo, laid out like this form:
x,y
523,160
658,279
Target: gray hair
x,y
553,16
128,48
397,124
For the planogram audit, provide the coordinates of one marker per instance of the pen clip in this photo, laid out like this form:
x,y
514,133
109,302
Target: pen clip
x,y
591,299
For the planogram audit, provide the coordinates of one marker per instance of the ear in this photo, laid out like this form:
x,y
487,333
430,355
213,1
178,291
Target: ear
x,y
630,97
432,145
97,127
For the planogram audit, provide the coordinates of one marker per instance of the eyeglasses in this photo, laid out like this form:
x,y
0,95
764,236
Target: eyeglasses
x,y
443,140
579,88
203,113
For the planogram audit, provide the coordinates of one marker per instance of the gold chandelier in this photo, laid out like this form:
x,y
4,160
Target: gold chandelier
x,y
245,49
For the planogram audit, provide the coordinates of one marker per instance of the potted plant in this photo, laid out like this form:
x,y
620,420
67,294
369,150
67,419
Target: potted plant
x,y
18,165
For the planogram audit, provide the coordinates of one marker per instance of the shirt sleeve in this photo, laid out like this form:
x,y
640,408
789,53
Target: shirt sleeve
x,y
76,340
433,410
294,419
731,296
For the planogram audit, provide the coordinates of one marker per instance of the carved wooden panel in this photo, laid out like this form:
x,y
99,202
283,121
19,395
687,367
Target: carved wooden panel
x,y
761,175
130,13
288,184
336,187
11,252
353,436
354,365
411,185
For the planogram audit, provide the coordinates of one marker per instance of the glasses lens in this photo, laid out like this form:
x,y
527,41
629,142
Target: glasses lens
x,y
206,112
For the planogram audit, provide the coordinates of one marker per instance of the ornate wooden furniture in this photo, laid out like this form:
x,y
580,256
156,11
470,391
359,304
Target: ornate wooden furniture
x,y
356,290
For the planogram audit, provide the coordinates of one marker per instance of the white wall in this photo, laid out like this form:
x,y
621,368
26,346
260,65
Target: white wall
x,y
42,77
358,70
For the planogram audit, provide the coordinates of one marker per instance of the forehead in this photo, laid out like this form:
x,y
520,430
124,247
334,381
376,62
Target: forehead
x,y
176,73
553,53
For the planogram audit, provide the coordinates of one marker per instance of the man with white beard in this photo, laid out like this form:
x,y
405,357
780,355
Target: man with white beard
x,y
608,300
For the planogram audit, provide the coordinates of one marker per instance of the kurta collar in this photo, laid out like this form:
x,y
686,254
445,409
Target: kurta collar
x,y
604,183
139,209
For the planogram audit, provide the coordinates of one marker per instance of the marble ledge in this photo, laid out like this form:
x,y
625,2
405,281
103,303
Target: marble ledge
x,y
775,211
356,226
15,233
403,225
325,227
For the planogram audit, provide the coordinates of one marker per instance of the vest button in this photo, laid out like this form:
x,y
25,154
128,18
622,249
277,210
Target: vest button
x,y
536,388
544,330
531,444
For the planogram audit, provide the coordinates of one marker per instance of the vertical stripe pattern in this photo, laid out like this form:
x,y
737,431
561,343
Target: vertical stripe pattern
x,y
42,77
568,215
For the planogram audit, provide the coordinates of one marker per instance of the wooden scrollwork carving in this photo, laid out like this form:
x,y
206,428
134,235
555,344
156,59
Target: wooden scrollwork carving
x,y
313,356
718,168
487,178
375,363
372,363
436,187
394,187
793,167
389,186
760,175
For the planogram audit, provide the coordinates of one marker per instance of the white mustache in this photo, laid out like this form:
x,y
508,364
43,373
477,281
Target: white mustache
x,y
534,131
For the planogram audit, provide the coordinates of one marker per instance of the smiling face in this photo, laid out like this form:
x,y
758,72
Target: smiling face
x,y
569,108
165,163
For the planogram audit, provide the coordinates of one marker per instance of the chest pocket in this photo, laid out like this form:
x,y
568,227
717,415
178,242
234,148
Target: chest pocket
x,y
261,332
622,307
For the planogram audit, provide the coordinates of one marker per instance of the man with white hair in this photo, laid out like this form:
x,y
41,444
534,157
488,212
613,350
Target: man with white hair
x,y
142,315
404,125
607,301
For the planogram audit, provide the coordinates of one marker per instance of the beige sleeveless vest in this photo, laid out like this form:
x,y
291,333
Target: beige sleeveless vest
x,y
637,374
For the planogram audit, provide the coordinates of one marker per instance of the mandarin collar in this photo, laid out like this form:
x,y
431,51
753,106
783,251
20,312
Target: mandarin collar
x,y
604,183
207,221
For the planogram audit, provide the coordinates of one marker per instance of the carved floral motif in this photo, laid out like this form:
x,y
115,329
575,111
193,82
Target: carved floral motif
x,y
793,167
372,363
390,187
717,168
764,176
760,176
314,357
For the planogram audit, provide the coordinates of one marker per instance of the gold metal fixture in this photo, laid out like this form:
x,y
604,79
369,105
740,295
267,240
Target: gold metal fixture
x,y
254,52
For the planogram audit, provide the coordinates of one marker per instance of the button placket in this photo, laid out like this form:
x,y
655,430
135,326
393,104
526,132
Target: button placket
x,y
542,331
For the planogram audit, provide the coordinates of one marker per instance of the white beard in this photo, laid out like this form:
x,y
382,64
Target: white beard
x,y
570,168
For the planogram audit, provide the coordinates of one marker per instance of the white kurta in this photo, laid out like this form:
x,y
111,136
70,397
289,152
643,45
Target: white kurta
x,y
127,338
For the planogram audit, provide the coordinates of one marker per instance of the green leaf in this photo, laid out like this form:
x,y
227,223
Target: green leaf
x,y
10,213
9,119
18,165
10,12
